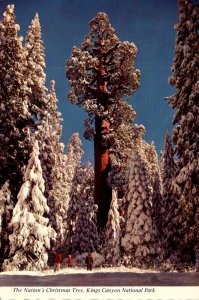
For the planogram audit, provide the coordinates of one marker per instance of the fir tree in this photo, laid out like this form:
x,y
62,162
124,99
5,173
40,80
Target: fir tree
x,y
82,235
153,165
112,233
156,186
100,73
125,135
34,72
45,118
72,164
138,238
49,133
185,135
59,197
169,213
74,154
157,205
14,115
31,235
6,208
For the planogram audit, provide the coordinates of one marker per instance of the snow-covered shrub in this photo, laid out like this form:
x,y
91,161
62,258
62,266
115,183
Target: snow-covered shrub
x,y
98,260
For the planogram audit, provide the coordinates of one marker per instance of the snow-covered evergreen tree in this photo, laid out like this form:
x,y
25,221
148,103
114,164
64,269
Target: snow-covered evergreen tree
x,y
34,72
6,209
31,235
185,135
58,198
82,235
72,164
156,185
169,214
161,161
122,138
73,159
14,115
49,133
156,206
74,154
138,238
43,107
112,233
153,165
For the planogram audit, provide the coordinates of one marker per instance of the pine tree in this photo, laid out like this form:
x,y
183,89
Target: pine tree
x,y
6,208
100,73
112,233
185,135
138,238
14,115
31,235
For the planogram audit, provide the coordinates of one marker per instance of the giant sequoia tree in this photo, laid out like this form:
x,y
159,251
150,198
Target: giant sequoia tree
x,y
100,73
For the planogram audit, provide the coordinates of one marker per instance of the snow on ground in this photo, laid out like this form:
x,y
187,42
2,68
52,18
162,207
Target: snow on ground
x,y
79,267
77,270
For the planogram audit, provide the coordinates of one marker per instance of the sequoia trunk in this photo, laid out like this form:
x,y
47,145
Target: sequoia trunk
x,y
103,193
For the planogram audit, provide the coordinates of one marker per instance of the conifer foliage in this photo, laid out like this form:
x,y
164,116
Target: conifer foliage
x,y
185,135
34,73
169,213
100,73
124,134
31,235
6,209
126,208
138,237
112,233
82,234
49,133
14,114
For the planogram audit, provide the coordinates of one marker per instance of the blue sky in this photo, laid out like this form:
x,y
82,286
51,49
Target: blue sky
x,y
147,23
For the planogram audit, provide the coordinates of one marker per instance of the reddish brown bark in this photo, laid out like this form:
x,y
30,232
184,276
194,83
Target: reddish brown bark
x,y
103,192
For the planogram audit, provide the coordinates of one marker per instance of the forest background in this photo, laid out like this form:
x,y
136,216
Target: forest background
x,y
151,206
